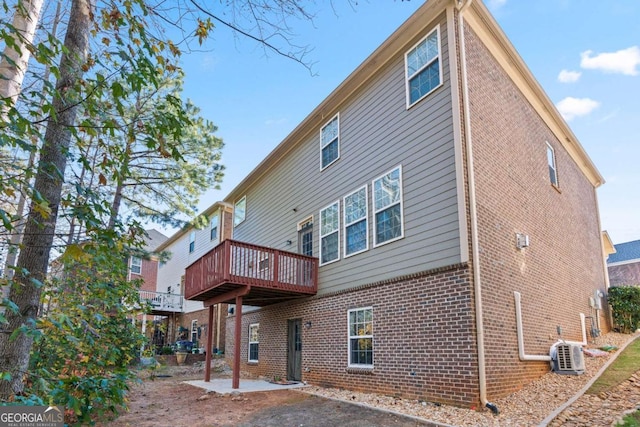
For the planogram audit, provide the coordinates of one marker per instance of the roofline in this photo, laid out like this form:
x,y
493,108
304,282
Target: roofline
x,y
380,57
627,261
184,230
607,243
506,54
499,45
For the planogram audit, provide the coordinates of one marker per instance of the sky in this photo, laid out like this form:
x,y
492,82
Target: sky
x,y
584,53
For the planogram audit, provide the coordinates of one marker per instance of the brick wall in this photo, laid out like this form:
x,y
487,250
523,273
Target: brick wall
x,y
624,274
563,266
424,341
148,273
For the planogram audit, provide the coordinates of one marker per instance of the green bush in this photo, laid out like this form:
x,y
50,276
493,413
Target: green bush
x,y
625,302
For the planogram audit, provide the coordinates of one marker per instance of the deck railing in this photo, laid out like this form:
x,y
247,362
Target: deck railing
x,y
162,301
239,263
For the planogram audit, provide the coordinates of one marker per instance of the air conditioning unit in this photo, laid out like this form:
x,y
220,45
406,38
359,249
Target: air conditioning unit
x,y
568,359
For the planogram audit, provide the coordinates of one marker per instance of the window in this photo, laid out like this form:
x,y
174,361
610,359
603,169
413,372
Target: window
x,y
253,342
360,337
387,207
136,265
356,233
423,67
214,227
330,142
551,160
239,211
305,237
192,241
330,233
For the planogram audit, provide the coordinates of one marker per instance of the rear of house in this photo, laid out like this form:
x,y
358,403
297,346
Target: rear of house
x,y
411,185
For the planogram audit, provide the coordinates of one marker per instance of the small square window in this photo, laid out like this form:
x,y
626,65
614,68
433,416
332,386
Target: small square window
x,y
135,265
239,211
330,142
551,161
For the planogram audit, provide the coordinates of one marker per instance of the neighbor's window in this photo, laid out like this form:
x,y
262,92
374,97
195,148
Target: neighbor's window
x,y
330,233
387,207
136,265
192,241
239,211
361,337
423,67
330,142
356,231
551,160
214,227
253,342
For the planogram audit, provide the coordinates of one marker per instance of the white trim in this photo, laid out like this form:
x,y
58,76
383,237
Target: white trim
x,y
625,262
336,117
365,219
358,365
438,58
321,235
249,342
456,111
243,199
400,202
303,222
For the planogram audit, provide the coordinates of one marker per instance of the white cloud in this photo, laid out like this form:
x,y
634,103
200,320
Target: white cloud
x,y
272,122
576,107
623,61
567,76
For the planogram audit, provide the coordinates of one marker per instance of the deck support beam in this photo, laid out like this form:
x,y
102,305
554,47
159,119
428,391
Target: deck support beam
x,y
207,358
236,345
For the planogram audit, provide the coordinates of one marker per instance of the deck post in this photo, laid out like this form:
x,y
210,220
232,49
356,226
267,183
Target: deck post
x,y
207,358
236,344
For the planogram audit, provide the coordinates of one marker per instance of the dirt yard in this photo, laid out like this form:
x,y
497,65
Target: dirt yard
x,y
166,401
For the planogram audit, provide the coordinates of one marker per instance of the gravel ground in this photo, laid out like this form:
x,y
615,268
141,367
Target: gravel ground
x,y
527,407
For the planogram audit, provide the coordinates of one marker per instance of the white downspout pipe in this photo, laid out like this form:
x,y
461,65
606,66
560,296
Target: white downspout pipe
x,y
475,251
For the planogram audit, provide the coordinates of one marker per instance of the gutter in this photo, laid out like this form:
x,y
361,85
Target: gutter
x,y
462,5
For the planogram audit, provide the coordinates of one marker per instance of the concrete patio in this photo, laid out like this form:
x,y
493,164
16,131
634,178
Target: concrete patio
x,y
223,385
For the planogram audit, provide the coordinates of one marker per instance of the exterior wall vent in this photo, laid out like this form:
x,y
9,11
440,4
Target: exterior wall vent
x,y
568,359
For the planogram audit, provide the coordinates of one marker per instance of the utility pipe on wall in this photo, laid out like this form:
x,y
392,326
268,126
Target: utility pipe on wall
x,y
543,358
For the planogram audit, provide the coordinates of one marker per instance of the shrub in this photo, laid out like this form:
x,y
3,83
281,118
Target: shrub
x,y
625,302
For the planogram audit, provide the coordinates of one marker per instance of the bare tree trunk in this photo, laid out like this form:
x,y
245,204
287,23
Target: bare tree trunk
x,y
32,263
13,64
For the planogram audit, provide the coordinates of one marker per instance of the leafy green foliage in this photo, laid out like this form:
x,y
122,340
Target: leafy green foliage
x,y
88,340
625,301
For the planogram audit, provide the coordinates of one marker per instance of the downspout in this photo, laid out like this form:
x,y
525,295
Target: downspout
x,y
523,356
475,251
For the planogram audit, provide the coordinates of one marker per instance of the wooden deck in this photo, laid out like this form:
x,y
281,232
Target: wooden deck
x,y
264,275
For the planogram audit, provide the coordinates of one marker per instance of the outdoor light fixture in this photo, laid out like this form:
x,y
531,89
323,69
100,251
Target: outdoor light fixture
x,y
289,242
522,241
307,324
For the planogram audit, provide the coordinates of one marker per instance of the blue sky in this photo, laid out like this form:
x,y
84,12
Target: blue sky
x,y
584,53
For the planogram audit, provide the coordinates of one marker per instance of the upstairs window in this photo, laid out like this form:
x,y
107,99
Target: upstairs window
x,y
361,337
551,160
214,227
423,67
330,233
330,142
136,265
253,342
356,233
239,211
387,207
192,241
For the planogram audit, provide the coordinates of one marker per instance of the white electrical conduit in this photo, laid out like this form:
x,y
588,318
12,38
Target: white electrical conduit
x,y
540,358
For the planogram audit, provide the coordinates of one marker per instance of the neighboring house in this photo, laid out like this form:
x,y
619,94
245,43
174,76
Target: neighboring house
x,y
624,264
430,207
191,322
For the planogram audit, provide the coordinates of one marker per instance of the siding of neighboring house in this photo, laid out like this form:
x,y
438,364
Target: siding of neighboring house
x,y
377,133
514,195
